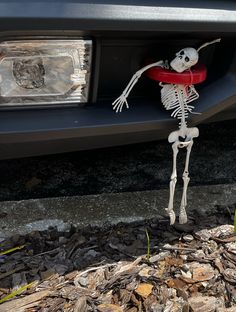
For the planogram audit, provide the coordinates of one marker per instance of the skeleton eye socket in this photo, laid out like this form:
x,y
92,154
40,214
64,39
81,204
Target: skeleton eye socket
x,y
186,59
181,52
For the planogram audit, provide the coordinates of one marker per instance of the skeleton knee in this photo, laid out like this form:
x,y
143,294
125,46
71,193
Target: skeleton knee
x,y
173,178
185,174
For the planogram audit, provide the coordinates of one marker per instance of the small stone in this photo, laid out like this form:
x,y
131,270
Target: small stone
x,y
188,238
82,281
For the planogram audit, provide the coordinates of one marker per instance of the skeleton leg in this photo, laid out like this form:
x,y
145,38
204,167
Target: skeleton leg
x,y
182,214
173,181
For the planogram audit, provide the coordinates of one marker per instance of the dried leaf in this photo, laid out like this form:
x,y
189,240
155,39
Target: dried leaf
x,y
144,290
175,283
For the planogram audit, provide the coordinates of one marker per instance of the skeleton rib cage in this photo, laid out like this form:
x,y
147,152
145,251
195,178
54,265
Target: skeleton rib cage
x,y
177,97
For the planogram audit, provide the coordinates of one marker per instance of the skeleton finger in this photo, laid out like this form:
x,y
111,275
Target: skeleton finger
x,y
117,105
119,110
127,104
116,102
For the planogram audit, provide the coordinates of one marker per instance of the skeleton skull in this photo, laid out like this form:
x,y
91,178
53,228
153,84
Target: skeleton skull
x,y
184,59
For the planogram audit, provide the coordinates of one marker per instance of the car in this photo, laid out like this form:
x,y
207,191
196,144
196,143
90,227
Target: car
x,y
44,42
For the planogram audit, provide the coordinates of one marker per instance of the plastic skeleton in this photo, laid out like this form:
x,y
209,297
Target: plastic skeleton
x,y
174,97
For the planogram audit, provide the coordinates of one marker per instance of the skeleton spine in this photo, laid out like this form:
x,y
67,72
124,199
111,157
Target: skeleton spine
x,y
183,111
177,97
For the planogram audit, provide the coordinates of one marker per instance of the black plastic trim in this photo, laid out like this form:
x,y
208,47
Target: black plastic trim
x,y
200,16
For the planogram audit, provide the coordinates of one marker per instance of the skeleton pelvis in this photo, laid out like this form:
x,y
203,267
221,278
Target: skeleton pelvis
x,y
186,133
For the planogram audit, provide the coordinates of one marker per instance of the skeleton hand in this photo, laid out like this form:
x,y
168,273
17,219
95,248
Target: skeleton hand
x,y
119,103
121,100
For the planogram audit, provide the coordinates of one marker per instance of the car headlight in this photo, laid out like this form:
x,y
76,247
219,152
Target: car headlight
x,y
44,71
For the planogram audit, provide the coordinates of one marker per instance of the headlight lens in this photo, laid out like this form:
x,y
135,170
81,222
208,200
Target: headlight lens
x,y
44,71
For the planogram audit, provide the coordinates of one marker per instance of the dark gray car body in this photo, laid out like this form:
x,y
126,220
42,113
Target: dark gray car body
x,y
124,34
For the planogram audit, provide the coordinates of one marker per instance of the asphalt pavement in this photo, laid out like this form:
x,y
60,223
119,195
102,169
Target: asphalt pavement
x,y
138,167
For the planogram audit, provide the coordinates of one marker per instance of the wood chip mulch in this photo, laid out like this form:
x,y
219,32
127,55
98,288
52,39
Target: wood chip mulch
x,y
190,268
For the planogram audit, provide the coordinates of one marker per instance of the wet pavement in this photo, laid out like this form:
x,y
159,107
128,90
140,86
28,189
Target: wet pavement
x,y
121,169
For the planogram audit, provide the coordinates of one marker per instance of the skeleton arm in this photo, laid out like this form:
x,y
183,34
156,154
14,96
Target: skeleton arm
x,y
121,100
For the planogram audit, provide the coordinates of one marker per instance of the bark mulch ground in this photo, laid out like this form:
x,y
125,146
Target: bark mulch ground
x,y
190,268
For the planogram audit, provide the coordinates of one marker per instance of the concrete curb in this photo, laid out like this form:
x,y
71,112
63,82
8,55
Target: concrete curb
x,y
21,217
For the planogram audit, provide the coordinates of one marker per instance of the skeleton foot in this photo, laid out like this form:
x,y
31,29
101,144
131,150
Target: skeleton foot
x,y
183,218
171,216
